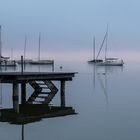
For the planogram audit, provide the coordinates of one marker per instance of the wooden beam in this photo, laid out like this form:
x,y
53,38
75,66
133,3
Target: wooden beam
x,y
10,77
16,96
62,93
23,92
22,63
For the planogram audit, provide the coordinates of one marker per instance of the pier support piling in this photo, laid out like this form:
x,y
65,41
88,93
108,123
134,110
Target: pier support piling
x,y
23,92
53,66
23,78
22,64
16,96
62,93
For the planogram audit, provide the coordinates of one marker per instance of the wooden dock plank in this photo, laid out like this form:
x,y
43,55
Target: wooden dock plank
x,y
9,77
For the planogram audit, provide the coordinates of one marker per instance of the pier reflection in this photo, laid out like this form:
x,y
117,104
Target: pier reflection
x,y
29,113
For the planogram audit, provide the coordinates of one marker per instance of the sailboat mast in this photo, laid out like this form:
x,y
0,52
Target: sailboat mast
x,y
0,43
93,48
11,53
106,42
25,44
39,47
101,46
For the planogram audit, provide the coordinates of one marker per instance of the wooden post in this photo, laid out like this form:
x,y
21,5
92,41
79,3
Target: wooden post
x,y
23,92
62,92
16,96
53,66
21,64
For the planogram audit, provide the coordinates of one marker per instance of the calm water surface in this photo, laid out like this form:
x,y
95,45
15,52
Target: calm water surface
x,y
107,100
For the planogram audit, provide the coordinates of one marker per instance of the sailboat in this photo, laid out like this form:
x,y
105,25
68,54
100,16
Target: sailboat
x,y
110,61
26,61
4,61
41,61
94,60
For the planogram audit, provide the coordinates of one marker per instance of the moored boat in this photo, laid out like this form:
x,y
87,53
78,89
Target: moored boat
x,y
111,62
9,63
41,62
4,61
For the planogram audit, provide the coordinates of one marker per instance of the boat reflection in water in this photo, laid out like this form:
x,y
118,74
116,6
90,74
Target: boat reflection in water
x,y
101,76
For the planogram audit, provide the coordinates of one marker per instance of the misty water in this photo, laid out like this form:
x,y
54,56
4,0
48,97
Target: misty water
x,y
106,100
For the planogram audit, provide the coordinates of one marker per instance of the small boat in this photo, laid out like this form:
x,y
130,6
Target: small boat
x,y
41,61
26,61
96,60
4,61
8,63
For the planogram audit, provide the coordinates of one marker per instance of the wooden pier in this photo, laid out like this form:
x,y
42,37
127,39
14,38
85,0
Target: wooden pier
x,y
10,77
41,82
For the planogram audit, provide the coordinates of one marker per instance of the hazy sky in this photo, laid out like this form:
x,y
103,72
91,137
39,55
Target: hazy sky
x,y
69,25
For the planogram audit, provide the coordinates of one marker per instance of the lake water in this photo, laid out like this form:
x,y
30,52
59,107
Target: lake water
x,y
106,100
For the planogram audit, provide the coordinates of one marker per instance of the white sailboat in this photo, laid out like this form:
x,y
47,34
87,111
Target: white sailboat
x,y
4,61
110,61
25,60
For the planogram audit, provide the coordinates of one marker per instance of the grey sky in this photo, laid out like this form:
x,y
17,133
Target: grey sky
x,y
69,25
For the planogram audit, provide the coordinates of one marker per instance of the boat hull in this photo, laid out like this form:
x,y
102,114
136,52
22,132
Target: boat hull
x,y
110,64
8,64
95,61
42,62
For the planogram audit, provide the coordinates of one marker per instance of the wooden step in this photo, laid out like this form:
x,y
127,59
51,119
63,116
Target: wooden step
x,y
41,102
45,87
41,97
41,83
44,92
